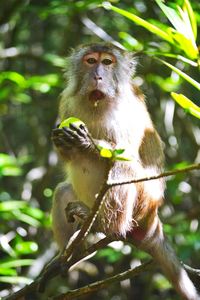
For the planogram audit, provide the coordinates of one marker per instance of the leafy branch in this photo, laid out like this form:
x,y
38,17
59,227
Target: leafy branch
x,y
182,36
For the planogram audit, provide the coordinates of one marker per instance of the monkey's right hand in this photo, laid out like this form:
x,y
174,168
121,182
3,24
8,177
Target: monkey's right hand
x,y
68,138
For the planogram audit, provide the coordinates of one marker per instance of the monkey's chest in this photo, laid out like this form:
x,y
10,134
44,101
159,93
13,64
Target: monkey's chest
x,y
86,177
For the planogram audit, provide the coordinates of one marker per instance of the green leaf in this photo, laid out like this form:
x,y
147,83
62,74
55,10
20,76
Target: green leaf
x,y
43,83
184,32
172,16
34,212
139,21
26,247
6,159
25,218
122,158
130,42
22,98
160,282
187,28
186,44
16,263
182,37
187,104
109,254
177,56
13,76
118,151
9,165
55,60
12,205
182,74
7,271
120,154
15,280
11,171
187,6
168,84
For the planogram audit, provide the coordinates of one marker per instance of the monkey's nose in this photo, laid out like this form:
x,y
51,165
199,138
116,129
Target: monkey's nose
x,y
97,77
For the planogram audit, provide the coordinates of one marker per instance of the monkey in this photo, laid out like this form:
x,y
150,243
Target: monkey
x,y
100,92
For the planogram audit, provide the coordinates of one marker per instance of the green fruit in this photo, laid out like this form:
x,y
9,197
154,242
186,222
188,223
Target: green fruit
x,y
72,120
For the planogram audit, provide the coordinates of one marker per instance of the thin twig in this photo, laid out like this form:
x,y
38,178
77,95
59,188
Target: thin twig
x,y
161,175
190,270
33,287
96,286
102,284
87,224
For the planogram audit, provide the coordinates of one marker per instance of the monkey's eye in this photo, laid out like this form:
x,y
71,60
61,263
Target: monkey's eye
x,y
107,61
91,60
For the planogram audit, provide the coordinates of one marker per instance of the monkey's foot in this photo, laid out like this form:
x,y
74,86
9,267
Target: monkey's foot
x,y
78,209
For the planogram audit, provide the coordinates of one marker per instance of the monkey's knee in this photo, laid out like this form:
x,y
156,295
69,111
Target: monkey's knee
x,y
62,229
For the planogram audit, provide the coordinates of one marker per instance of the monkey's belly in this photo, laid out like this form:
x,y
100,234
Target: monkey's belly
x,y
86,177
115,216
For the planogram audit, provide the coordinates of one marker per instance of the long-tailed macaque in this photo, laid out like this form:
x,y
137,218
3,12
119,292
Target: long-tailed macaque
x,y
100,93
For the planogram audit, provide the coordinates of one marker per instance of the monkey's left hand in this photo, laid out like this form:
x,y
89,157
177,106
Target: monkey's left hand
x,y
72,137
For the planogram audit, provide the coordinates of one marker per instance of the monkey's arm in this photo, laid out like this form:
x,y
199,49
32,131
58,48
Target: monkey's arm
x,y
151,150
71,143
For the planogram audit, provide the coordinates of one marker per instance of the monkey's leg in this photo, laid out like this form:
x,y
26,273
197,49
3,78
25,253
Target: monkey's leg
x,y
158,247
65,207
62,229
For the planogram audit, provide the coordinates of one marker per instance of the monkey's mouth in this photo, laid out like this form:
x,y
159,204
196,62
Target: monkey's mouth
x,y
96,95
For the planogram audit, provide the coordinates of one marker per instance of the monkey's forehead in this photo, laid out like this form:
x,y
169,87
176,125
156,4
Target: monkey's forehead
x,y
108,47
101,47
120,54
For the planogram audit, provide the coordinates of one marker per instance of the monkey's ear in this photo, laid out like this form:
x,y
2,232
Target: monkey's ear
x,y
132,60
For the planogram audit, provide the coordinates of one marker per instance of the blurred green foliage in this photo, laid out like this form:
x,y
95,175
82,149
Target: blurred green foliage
x,y
35,37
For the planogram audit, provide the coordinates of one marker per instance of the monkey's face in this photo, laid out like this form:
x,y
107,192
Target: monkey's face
x,y
98,75
98,81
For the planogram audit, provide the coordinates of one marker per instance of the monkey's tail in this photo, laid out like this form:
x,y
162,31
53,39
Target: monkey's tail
x,y
160,249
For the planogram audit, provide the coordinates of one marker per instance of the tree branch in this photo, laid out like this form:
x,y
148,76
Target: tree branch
x,y
161,175
55,268
102,284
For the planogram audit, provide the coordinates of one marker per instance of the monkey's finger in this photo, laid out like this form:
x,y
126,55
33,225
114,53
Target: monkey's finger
x,y
60,142
79,130
69,132
69,141
56,131
84,128
65,139
65,135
